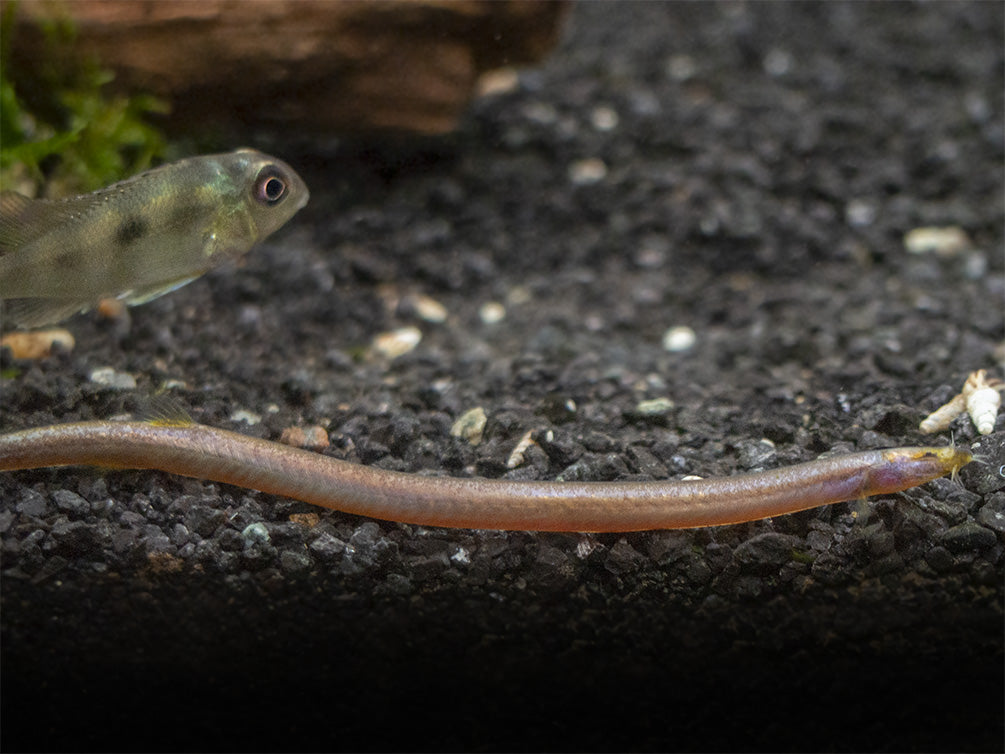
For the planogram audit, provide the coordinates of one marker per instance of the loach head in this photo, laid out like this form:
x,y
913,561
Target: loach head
x,y
907,467
274,191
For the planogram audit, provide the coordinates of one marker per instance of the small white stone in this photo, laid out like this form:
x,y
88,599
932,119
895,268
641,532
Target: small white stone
x,y
654,406
108,377
470,426
430,310
586,546
492,312
499,81
679,338
256,532
587,171
945,242
248,417
604,118
397,342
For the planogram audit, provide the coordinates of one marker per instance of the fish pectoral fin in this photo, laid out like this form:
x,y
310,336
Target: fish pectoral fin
x,y
231,237
143,295
37,312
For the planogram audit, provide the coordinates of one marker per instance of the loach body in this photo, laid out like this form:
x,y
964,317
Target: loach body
x,y
142,237
194,450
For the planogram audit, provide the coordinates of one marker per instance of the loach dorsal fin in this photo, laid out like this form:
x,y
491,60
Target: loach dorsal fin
x,y
165,410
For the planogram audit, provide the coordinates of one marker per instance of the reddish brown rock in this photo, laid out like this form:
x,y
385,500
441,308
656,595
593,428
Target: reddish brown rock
x,y
320,65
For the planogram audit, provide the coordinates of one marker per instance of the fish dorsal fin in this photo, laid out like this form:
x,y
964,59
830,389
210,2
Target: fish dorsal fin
x,y
16,227
23,220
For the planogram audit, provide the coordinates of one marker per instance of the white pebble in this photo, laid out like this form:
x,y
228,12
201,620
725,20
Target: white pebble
x,y
397,342
604,118
108,377
945,242
587,171
470,426
430,310
654,406
492,312
499,81
679,338
256,532
248,417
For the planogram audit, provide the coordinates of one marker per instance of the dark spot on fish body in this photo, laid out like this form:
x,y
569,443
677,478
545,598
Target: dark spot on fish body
x,y
185,215
130,230
68,261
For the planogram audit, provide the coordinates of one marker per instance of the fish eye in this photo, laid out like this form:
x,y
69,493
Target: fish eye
x,y
270,186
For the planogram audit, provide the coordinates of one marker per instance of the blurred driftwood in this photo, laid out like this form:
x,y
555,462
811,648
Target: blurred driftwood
x,y
320,65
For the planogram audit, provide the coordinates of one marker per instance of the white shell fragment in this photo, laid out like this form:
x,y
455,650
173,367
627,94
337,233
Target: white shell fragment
x,y
981,398
517,457
983,401
943,416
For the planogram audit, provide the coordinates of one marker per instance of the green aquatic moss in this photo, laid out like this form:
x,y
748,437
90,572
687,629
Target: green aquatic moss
x,y
61,130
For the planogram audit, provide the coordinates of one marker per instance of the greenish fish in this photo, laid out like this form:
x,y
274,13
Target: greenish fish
x,y
142,237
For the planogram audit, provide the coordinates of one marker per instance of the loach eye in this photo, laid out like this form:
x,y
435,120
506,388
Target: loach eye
x,y
270,187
